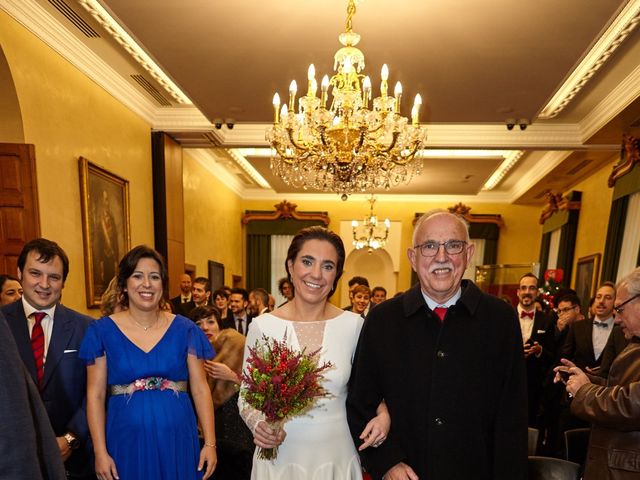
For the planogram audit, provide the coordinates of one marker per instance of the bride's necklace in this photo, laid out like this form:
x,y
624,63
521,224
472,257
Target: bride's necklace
x,y
147,327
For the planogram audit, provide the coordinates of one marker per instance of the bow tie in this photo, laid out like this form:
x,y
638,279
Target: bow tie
x,y
601,324
524,314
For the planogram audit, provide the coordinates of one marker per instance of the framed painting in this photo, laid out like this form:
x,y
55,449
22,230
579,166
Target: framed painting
x,y
216,275
105,224
586,283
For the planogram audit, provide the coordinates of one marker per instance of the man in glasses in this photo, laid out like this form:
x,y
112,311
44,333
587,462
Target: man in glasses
x,y
612,405
447,359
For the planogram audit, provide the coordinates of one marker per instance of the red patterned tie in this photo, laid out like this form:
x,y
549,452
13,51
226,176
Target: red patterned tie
x,y
37,345
441,312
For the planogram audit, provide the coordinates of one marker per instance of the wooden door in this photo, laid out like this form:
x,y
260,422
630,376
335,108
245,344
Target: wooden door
x,y
19,214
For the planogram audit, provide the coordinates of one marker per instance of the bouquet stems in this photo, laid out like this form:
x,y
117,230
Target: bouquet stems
x,y
271,453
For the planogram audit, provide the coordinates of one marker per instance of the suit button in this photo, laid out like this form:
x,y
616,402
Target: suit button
x,y
438,421
441,354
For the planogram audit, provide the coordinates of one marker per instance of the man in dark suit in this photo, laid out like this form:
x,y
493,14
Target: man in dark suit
x,y
178,303
447,360
48,337
240,318
28,447
538,339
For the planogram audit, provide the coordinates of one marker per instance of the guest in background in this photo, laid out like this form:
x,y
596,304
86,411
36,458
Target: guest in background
x,y
272,303
378,295
221,302
286,290
146,359
360,300
110,300
538,340
612,405
10,289
353,283
182,303
238,303
258,301
235,442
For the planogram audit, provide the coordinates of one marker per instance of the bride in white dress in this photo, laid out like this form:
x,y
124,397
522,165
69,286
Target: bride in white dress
x,y
317,445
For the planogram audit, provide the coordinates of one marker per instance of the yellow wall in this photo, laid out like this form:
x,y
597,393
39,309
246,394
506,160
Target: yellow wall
x,y
519,238
65,115
594,215
212,228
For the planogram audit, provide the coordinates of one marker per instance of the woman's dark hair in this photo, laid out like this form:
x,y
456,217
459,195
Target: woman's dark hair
x,y
316,233
206,311
221,292
128,265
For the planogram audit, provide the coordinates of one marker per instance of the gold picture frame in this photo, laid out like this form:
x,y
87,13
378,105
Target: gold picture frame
x,y
105,226
587,270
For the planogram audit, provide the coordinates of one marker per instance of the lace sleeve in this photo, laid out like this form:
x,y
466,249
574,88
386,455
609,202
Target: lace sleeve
x,y
250,415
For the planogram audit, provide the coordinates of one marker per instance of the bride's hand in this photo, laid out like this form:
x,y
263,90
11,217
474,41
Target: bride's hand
x,y
265,436
377,429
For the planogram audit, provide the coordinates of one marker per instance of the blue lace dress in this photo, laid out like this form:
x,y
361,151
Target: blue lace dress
x,y
151,434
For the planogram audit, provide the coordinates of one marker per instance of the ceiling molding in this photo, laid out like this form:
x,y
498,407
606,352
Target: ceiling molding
x,y
615,102
119,34
209,161
548,162
606,45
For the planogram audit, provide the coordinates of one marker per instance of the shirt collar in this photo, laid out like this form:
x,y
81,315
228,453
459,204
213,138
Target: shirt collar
x,y
432,304
520,310
608,321
30,310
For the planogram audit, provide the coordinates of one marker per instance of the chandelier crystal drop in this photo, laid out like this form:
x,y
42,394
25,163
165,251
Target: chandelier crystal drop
x,y
370,233
356,144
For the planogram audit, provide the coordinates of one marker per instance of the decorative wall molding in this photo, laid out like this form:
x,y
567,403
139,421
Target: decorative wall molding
x,y
615,35
463,210
629,158
285,211
555,203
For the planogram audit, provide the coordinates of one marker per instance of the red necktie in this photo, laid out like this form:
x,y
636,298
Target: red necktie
x,y
37,345
524,314
440,312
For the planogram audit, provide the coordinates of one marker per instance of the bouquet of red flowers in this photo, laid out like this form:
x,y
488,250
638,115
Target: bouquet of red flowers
x,y
281,382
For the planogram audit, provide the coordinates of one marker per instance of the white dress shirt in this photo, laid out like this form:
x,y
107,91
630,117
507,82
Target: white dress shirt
x,y
526,324
600,334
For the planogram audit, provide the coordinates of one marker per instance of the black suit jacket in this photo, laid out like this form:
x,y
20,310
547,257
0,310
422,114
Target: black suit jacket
x,y
28,448
578,347
180,308
230,322
65,376
456,392
543,332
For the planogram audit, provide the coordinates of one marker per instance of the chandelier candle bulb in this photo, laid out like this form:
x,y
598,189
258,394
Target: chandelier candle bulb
x,y
324,87
293,88
284,112
366,92
384,74
276,107
398,94
311,74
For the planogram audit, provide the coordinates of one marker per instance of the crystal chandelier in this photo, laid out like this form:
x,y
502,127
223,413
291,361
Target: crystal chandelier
x,y
351,146
370,233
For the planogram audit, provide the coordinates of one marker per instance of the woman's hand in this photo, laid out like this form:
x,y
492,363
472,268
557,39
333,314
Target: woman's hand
x,y
375,432
266,436
106,468
209,456
220,371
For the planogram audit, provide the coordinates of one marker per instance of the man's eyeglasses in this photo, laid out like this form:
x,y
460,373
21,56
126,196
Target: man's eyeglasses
x,y
620,308
566,309
430,248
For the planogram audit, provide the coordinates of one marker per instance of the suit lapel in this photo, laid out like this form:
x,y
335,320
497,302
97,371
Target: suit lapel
x,y
60,335
17,321
589,340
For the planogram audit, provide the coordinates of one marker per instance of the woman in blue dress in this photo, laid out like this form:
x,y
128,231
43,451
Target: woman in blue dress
x,y
146,361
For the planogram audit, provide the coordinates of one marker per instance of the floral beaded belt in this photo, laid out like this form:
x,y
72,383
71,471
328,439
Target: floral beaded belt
x,y
149,383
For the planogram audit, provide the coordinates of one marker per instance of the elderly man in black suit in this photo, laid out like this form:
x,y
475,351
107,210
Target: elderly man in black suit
x,y
447,359
48,336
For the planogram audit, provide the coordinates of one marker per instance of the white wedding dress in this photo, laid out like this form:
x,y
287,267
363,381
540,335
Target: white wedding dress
x,y
318,445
